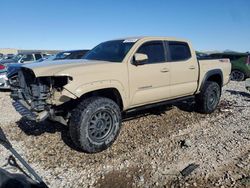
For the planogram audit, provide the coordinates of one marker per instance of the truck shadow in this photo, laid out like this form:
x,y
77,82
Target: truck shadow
x,y
32,128
143,113
242,93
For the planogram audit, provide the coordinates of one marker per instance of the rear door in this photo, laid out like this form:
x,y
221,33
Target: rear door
x,y
184,69
150,81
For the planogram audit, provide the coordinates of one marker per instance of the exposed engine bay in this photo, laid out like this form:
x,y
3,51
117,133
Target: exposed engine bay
x,y
34,97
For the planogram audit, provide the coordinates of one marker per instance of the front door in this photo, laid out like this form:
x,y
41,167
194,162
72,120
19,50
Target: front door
x,y
150,81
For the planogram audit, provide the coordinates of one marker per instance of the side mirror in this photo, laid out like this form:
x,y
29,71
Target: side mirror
x,y
21,61
140,58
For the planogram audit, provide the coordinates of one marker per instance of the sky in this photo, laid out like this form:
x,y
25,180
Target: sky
x,y
82,24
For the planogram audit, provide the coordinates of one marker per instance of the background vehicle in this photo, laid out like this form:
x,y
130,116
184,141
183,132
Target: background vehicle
x,y
240,64
15,62
201,55
72,54
116,76
3,78
25,57
10,69
1,56
5,57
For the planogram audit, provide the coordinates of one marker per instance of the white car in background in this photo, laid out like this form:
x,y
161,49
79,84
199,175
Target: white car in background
x,y
25,57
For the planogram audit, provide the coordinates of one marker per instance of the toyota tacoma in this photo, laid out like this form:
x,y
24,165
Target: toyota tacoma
x,y
115,77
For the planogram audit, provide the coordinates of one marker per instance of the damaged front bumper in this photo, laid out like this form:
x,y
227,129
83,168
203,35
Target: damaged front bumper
x,y
25,111
37,98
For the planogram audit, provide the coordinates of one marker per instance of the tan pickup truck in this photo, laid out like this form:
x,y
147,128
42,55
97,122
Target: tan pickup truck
x,y
116,76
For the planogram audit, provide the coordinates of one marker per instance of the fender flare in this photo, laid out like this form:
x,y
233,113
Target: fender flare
x,y
212,73
104,84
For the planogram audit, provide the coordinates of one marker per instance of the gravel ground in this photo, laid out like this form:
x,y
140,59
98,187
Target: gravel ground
x,y
152,149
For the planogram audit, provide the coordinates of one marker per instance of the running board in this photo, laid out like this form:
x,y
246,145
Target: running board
x,y
159,104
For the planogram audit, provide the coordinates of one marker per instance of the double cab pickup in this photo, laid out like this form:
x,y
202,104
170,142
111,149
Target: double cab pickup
x,y
90,95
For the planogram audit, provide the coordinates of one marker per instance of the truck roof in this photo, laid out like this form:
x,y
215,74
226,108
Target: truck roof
x,y
152,38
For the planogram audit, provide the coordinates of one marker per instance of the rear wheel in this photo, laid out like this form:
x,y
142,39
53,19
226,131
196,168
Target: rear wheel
x,y
95,124
208,99
237,75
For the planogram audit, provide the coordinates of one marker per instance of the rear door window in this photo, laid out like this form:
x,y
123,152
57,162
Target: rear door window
x,y
179,51
154,50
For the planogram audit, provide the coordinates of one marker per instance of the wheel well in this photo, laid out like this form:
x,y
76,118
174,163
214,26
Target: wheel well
x,y
216,78
111,93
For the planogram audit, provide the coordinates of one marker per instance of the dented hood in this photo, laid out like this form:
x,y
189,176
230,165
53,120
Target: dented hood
x,y
61,67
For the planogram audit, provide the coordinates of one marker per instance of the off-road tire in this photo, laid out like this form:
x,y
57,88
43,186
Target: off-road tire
x,y
209,97
92,117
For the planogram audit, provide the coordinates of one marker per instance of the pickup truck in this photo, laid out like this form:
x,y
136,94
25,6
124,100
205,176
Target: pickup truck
x,y
115,77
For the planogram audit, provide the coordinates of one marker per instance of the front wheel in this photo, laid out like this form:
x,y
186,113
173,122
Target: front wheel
x,y
95,124
208,99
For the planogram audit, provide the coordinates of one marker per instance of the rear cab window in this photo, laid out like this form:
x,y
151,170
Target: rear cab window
x,y
178,51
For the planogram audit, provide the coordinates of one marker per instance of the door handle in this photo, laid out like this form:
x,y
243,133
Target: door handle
x,y
165,70
192,67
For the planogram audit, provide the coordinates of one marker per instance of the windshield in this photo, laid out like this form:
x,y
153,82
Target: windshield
x,y
113,51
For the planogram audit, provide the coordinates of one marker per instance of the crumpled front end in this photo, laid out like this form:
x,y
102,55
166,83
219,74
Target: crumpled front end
x,y
36,97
